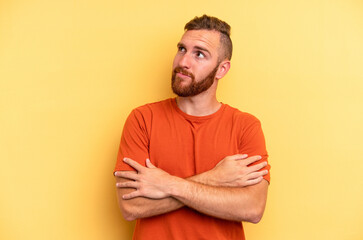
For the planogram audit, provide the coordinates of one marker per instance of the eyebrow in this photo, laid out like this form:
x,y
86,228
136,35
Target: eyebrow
x,y
202,49
196,47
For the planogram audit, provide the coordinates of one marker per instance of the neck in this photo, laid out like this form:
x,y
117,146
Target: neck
x,y
203,104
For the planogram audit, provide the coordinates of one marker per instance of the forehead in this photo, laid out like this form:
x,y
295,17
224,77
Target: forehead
x,y
202,38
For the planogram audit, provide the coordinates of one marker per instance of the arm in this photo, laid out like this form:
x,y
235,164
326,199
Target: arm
x,y
142,207
236,204
135,144
230,171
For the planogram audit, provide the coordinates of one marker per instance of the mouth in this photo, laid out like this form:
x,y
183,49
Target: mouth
x,y
182,74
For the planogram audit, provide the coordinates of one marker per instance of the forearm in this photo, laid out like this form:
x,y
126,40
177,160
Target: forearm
x,y
236,204
203,178
152,191
142,207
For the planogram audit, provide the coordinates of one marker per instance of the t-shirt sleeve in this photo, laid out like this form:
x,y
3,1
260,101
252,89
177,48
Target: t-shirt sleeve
x,y
134,142
253,143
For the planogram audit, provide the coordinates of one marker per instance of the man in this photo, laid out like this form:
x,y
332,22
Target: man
x,y
191,167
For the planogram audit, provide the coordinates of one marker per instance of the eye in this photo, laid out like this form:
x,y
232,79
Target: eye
x,y
181,49
200,54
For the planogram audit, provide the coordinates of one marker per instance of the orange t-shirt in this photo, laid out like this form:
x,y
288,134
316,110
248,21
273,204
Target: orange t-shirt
x,y
185,145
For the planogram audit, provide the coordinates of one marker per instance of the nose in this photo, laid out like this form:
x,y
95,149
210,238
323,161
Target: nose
x,y
184,61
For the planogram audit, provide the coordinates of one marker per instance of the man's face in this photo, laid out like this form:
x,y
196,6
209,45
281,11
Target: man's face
x,y
196,62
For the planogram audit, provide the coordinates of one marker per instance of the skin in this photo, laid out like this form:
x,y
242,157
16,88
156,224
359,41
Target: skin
x,y
193,58
232,190
232,171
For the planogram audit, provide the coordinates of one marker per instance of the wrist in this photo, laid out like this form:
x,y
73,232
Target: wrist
x,y
175,186
208,178
204,178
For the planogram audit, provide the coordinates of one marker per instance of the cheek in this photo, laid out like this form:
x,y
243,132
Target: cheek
x,y
175,61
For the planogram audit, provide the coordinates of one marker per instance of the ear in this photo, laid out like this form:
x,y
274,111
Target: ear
x,y
223,68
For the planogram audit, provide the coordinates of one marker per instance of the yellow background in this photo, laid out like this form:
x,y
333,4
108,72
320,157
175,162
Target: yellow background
x,y
71,71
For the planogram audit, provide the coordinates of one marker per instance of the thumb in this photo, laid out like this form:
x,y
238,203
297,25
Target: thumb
x,y
149,164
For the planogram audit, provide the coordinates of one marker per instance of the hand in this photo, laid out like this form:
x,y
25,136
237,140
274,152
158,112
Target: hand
x,y
149,181
233,171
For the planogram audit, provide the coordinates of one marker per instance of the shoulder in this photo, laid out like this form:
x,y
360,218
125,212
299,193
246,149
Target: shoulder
x,y
248,126
143,116
154,106
152,109
244,118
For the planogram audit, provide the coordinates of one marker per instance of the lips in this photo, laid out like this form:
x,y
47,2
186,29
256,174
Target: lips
x,y
179,74
183,73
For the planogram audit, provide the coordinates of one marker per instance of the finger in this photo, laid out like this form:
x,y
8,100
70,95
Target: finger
x,y
254,175
131,195
128,175
149,164
128,184
239,156
133,164
252,159
254,181
257,167
119,173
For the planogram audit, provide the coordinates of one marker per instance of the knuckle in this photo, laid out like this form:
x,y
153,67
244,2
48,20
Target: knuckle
x,y
126,175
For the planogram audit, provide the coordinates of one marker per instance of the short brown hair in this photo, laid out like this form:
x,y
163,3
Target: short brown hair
x,y
212,23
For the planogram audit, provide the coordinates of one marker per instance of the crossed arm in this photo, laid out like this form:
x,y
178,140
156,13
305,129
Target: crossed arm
x,y
232,190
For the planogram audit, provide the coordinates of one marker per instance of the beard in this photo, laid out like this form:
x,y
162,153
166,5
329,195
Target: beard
x,y
194,88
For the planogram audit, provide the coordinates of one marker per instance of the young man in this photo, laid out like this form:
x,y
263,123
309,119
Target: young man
x,y
191,167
